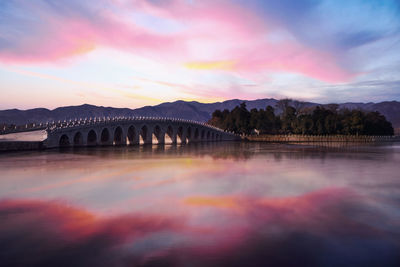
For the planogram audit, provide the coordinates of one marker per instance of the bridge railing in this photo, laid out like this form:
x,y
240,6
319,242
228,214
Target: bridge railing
x,y
74,123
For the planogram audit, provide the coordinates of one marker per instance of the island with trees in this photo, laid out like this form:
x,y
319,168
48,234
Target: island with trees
x,y
291,117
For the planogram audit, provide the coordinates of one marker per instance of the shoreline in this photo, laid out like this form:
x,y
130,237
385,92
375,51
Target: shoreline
x,y
292,138
10,146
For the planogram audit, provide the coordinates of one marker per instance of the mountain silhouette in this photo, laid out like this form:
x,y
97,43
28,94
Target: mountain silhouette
x,y
179,109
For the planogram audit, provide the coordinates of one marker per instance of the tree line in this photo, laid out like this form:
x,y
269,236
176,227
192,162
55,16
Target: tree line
x,y
297,119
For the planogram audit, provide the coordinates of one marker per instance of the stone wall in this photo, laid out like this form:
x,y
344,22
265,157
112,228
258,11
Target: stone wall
x,y
21,145
321,138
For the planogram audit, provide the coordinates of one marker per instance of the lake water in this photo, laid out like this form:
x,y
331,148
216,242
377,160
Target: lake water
x,y
220,204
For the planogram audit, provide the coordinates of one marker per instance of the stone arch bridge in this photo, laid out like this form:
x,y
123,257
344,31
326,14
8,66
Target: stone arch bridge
x,y
131,131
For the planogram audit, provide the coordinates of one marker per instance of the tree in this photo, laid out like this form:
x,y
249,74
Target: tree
x,y
216,118
319,120
304,124
357,122
376,124
241,117
254,119
299,106
283,104
289,119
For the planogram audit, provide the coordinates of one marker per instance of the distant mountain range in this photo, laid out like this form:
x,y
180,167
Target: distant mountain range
x,y
178,109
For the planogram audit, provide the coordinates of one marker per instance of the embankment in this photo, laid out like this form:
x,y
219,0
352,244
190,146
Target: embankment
x,y
320,138
21,145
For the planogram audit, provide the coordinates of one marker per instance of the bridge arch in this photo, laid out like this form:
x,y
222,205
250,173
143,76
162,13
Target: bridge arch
x,y
64,141
118,136
132,131
92,138
105,136
78,139
131,135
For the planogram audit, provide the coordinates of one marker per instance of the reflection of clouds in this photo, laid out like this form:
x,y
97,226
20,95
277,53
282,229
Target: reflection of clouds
x,y
106,179
191,171
217,202
201,206
51,234
94,177
326,227
284,209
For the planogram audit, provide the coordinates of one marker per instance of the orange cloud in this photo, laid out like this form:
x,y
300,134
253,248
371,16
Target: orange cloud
x,y
216,202
211,65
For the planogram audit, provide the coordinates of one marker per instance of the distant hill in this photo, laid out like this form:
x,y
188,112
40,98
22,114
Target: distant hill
x,y
179,109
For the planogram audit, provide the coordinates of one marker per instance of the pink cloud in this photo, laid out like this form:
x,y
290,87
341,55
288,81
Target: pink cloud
x,y
237,35
67,37
212,31
295,58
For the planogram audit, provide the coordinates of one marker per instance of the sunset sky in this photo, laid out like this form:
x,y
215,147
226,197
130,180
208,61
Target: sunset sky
x,y
131,53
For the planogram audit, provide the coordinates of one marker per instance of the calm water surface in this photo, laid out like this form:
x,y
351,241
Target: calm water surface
x,y
227,204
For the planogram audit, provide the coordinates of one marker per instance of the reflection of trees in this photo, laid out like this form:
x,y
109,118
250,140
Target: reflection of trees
x,y
326,151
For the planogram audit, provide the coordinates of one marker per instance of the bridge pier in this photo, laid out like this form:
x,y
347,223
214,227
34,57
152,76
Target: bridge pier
x,y
132,135
160,139
170,134
145,135
134,141
158,134
184,139
174,139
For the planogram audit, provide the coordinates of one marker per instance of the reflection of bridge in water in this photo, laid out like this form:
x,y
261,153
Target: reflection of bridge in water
x,y
131,131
